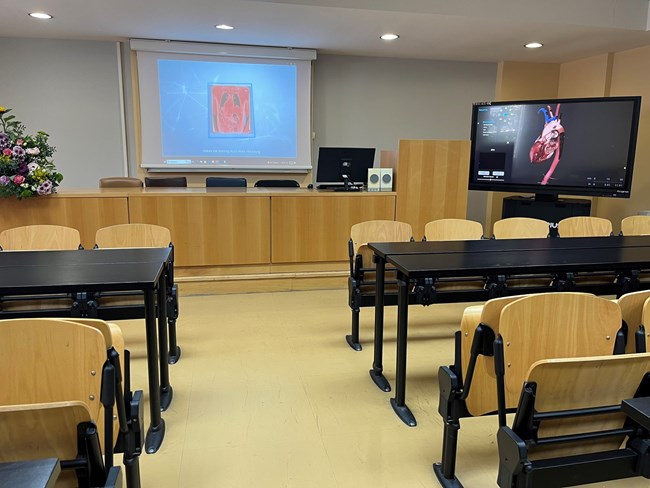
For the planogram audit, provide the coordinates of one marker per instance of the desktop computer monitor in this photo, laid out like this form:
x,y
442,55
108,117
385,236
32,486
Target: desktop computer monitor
x,y
336,162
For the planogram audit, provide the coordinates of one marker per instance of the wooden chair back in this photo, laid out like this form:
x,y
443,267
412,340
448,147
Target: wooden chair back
x,y
377,231
40,238
636,225
132,235
120,182
520,228
482,397
632,307
453,230
52,360
554,325
584,227
585,382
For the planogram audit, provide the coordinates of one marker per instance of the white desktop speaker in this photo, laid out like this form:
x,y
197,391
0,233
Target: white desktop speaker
x,y
380,179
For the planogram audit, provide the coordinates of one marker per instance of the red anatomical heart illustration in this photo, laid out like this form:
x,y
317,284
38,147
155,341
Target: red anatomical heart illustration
x,y
549,142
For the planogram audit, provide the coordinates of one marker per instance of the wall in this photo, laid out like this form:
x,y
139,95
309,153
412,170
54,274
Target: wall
x,y
375,102
70,90
630,75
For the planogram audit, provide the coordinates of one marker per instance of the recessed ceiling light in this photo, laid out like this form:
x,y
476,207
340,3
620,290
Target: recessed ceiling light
x,y
40,15
224,27
389,37
533,45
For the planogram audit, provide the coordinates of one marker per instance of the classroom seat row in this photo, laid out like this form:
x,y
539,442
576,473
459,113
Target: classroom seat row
x,y
181,182
558,361
111,306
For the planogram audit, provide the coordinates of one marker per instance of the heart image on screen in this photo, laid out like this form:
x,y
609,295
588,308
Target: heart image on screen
x,y
549,142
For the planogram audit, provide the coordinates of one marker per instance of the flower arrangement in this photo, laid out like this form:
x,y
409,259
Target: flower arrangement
x,y
26,168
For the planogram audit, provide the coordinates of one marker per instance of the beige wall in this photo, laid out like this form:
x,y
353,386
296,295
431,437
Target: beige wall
x,y
589,77
630,76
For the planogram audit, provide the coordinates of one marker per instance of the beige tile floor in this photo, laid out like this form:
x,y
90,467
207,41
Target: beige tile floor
x,y
268,395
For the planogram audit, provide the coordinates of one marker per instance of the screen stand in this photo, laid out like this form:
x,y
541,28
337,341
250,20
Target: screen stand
x,y
346,167
545,197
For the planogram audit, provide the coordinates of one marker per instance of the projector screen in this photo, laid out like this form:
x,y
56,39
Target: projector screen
x,y
210,107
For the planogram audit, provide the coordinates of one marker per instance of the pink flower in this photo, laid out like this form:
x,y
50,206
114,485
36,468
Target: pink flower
x,y
19,180
6,151
19,142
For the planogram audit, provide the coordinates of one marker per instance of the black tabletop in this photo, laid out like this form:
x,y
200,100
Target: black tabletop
x,y
40,473
83,257
383,249
71,271
519,262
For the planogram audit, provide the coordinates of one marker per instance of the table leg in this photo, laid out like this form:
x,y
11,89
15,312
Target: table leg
x,y
156,432
166,390
399,402
377,371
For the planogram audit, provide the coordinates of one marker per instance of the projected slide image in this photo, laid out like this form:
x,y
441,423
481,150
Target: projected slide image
x,y
231,111
212,112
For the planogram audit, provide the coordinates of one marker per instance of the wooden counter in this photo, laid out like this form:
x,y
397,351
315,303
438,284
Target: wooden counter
x,y
220,226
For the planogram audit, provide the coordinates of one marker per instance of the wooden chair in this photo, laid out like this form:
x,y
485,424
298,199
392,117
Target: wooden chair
x,y
632,312
512,334
166,181
584,227
223,182
520,228
569,429
361,284
40,238
64,382
120,182
116,306
636,225
453,230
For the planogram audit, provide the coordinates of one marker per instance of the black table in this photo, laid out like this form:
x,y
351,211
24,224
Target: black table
x,y
40,473
47,272
458,259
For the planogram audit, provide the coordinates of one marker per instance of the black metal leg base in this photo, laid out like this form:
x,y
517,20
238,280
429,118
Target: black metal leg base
x,y
403,413
174,356
380,380
155,436
445,482
354,345
166,395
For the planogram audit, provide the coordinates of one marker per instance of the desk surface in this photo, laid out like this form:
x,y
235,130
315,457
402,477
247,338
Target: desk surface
x,y
383,249
70,271
40,473
520,261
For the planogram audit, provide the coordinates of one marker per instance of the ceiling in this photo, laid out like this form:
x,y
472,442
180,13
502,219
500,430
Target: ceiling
x,y
467,30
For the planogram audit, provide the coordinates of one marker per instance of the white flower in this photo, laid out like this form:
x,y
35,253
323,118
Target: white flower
x,y
32,167
33,151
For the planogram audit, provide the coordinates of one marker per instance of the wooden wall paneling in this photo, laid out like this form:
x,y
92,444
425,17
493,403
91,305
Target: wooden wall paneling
x,y
433,177
209,230
317,227
84,213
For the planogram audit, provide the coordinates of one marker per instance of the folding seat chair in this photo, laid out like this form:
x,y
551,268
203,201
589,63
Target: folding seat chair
x,y
361,283
633,312
116,306
39,238
636,225
497,349
578,421
520,228
63,383
453,230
